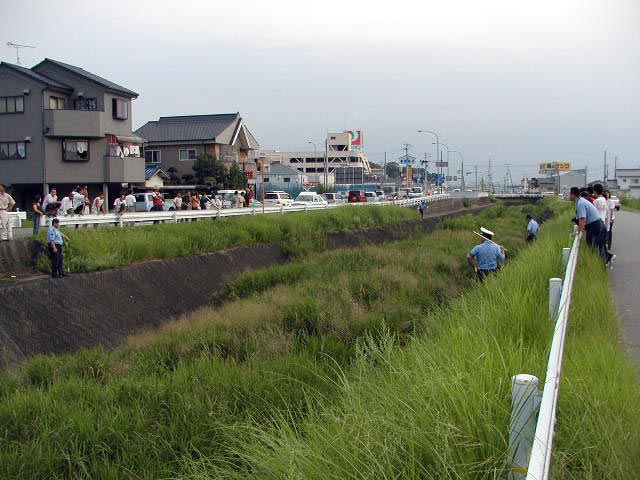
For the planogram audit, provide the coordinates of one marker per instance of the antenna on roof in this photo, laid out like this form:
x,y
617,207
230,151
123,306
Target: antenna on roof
x,y
18,47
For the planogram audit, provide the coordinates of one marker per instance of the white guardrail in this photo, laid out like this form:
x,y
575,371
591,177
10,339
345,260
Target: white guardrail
x,y
176,216
16,218
531,441
518,195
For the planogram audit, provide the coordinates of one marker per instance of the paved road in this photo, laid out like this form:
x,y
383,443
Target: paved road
x,y
625,278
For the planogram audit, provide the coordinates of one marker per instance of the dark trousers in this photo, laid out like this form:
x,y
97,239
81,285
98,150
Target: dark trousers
x,y
36,223
530,237
57,261
483,273
610,236
597,238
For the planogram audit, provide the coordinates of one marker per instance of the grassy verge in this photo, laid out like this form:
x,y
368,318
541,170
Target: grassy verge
x,y
439,408
630,203
172,401
99,249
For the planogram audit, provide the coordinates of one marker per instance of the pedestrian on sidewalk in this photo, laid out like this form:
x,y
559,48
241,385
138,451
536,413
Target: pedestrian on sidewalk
x,y
532,228
612,217
37,213
55,241
589,221
6,205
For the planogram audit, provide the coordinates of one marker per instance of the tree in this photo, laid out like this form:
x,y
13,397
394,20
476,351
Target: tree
x,y
206,166
187,177
393,170
174,179
235,178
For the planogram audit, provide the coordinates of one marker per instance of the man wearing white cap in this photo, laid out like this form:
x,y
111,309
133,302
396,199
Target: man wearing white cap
x,y
488,255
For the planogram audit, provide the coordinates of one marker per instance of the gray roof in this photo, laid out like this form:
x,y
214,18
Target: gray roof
x,y
281,169
89,76
151,170
36,76
188,127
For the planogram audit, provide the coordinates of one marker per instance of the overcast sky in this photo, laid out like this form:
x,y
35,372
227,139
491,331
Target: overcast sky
x,y
518,82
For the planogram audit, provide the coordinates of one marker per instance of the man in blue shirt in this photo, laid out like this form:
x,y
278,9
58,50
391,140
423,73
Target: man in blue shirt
x,y
488,255
589,221
55,242
532,229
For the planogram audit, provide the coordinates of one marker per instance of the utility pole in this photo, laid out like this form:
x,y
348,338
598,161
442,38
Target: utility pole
x,y
384,170
585,175
476,169
425,162
615,167
490,176
605,170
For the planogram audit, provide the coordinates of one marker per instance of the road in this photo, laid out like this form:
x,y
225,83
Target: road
x,y
625,278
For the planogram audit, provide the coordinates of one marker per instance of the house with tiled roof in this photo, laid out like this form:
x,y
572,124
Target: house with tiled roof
x,y
62,126
177,141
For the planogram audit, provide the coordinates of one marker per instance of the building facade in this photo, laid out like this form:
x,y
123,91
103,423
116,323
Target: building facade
x,y
176,142
340,151
61,126
628,181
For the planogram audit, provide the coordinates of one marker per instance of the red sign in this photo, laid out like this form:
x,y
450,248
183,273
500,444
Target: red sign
x,y
310,184
248,174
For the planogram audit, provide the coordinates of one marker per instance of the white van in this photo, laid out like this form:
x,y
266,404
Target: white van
x,y
276,198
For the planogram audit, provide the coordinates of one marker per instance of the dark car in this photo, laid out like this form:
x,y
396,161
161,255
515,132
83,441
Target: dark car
x,y
356,196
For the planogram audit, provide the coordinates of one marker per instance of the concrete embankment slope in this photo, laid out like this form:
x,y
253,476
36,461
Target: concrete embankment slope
x,y
45,315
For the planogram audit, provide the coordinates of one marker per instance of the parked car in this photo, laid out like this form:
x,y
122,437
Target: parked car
x,y
308,198
227,197
616,202
415,192
371,196
277,197
144,202
356,196
332,197
381,196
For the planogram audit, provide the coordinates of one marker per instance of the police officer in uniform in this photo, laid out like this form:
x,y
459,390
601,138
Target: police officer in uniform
x,y
532,228
589,221
55,241
488,255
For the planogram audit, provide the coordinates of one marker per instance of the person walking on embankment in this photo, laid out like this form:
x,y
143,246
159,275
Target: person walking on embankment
x,y
488,254
55,241
532,228
589,221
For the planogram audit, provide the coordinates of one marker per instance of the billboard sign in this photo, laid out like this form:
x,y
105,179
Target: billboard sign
x,y
356,140
555,167
442,164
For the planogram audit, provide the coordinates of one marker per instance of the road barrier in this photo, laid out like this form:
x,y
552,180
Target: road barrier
x,y
176,216
531,441
518,195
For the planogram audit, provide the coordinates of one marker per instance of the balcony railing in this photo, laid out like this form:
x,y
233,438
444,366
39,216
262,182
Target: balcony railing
x,y
123,169
74,123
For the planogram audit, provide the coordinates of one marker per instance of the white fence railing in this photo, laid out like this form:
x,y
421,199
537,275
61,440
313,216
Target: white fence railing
x,y
531,440
518,195
188,215
16,218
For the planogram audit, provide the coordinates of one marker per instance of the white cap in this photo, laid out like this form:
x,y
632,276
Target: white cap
x,y
486,232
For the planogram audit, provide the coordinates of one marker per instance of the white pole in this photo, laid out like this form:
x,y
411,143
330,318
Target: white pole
x,y
525,401
555,290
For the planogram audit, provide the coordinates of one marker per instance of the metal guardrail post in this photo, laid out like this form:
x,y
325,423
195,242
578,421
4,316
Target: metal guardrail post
x,y
565,257
555,291
525,402
120,223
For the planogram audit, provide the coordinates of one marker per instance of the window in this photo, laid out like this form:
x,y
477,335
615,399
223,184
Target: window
x,y
13,150
120,109
286,179
295,160
635,180
311,170
85,104
187,154
75,150
152,156
56,103
12,104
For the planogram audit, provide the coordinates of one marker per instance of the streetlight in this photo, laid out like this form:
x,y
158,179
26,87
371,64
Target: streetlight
x,y
448,151
437,142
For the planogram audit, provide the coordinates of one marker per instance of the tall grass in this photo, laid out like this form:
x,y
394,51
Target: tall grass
x,y
99,249
629,203
181,396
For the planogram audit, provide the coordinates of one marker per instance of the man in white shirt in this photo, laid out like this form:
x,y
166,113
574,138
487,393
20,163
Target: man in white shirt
x,y
602,205
6,204
51,199
130,200
120,204
612,217
78,203
66,205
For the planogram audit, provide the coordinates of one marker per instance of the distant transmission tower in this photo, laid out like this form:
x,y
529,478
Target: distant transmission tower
x,y
490,177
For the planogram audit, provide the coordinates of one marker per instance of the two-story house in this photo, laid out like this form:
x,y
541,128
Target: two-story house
x,y
61,126
178,141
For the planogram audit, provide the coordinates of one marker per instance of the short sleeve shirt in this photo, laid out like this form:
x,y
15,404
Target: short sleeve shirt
x,y
54,235
533,227
586,210
488,255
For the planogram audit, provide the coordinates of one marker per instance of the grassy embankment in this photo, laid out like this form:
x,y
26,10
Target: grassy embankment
x,y
99,249
630,203
150,409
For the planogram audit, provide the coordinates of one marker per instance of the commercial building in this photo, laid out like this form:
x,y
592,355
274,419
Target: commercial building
x,y
340,151
176,142
559,183
629,181
61,126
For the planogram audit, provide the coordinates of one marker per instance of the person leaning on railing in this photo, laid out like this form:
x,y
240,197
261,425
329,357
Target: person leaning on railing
x,y
589,221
